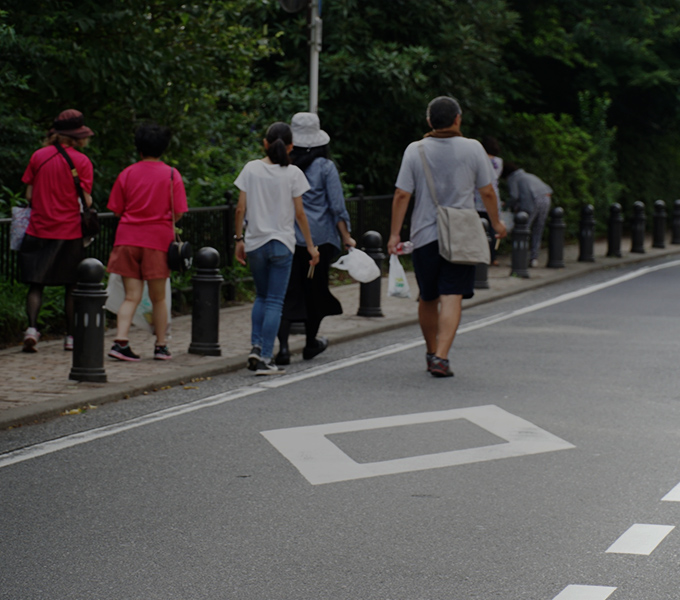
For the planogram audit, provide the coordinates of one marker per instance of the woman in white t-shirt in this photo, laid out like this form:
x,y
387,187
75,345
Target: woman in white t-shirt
x,y
270,202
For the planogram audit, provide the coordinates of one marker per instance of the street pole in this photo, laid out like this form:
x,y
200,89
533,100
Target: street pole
x,y
315,26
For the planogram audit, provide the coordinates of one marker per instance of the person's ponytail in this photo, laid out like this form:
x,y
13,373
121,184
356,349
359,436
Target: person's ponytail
x,y
279,137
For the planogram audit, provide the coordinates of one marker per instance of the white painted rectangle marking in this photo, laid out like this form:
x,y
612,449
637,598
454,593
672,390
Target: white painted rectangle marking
x,y
321,461
673,495
641,539
585,592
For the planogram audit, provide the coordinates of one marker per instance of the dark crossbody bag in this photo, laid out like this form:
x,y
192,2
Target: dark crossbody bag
x,y
89,221
180,256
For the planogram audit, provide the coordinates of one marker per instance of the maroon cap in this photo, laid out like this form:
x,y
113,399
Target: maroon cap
x,y
71,123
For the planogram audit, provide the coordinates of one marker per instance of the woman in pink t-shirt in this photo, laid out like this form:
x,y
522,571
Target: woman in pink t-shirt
x,y
53,244
141,197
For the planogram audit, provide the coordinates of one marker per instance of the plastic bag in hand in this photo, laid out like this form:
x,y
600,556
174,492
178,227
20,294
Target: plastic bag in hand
x,y
359,265
21,215
143,316
397,285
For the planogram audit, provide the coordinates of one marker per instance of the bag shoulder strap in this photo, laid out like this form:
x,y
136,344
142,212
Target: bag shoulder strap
x,y
74,172
172,202
43,163
428,174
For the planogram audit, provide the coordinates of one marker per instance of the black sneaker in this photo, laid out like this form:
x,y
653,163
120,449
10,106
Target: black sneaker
x,y
161,353
123,353
254,357
268,368
439,367
320,344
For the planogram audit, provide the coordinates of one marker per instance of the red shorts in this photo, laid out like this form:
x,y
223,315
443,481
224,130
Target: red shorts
x,y
139,263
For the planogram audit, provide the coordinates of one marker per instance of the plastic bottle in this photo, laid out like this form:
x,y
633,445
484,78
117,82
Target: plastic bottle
x,y
405,247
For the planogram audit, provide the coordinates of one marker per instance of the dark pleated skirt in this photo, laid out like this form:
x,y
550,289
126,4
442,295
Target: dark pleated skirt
x,y
50,262
310,298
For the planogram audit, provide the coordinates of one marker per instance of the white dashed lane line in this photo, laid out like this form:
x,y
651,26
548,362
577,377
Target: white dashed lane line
x,y
585,592
673,495
640,539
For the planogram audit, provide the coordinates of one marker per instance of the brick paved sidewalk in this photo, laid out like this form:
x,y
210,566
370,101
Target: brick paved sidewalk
x,y
36,386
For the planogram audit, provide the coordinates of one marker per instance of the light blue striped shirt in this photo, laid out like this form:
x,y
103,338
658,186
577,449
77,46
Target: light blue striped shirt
x,y
324,204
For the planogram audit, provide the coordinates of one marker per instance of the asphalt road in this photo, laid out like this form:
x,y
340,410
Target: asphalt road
x,y
539,472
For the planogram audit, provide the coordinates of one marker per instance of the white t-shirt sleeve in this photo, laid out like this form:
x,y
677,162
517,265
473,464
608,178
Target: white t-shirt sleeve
x,y
243,178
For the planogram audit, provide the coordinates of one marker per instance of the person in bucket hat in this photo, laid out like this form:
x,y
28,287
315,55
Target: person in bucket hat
x,y
308,298
53,246
71,123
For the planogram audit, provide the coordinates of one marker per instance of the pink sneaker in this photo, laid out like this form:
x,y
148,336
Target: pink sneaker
x,y
31,337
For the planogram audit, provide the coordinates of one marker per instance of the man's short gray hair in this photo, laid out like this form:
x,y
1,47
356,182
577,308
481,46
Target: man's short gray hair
x,y
442,112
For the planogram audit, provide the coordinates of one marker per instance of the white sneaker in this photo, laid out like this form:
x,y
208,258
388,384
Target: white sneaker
x,y
534,262
268,367
31,337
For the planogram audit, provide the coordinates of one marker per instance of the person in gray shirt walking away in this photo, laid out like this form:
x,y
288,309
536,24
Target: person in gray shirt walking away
x,y
531,195
459,166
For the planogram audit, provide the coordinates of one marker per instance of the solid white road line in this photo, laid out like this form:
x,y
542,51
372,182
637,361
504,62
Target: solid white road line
x,y
49,447
566,297
585,592
640,539
83,437
673,495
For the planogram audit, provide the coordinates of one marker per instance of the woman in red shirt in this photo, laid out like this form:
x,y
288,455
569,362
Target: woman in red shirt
x,y
142,197
53,244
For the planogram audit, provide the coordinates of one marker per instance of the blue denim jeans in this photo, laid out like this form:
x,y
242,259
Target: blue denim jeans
x,y
270,265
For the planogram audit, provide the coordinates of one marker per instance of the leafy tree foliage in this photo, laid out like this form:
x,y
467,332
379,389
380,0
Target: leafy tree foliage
x,y
625,51
124,62
548,78
382,62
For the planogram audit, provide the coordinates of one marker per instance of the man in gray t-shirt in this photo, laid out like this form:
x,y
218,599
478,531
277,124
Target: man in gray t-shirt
x,y
459,166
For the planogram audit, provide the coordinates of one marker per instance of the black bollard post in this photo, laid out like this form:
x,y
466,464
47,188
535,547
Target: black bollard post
x,y
89,297
676,223
369,293
637,228
614,231
556,228
586,238
482,269
659,225
205,313
520,246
